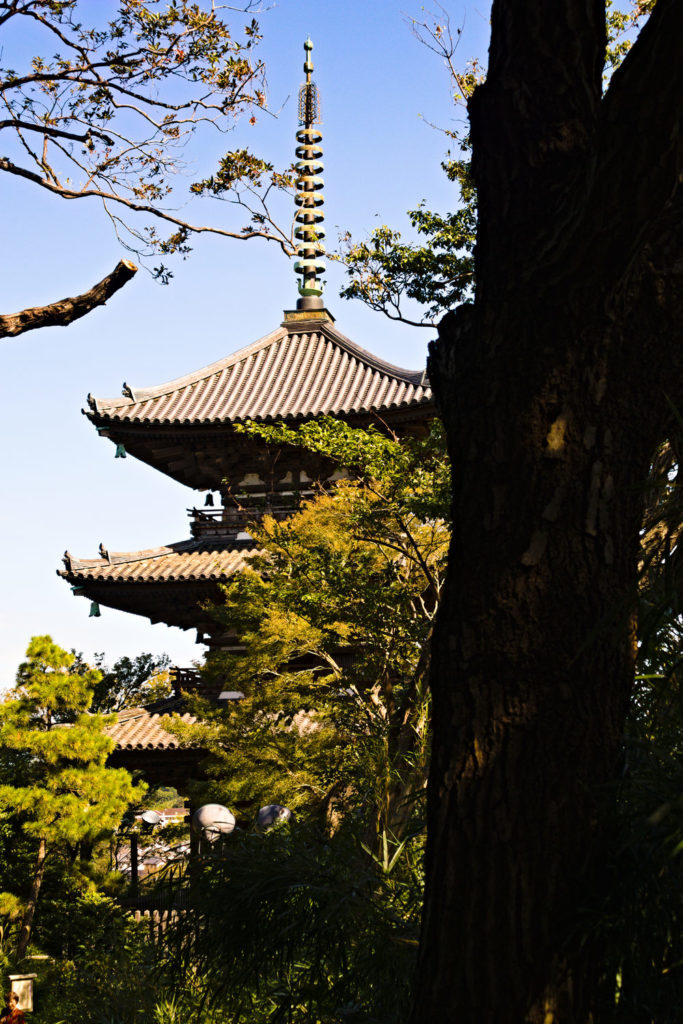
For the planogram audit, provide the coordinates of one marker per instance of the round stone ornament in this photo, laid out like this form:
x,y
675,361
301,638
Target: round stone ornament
x,y
212,821
272,814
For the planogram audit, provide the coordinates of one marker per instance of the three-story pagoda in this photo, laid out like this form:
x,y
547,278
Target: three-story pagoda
x,y
303,369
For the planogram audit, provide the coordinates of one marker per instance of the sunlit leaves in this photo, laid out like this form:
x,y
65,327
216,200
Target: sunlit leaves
x,y
622,28
334,615
110,112
235,167
384,271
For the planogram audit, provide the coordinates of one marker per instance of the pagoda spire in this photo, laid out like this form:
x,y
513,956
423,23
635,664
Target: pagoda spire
x,y
309,196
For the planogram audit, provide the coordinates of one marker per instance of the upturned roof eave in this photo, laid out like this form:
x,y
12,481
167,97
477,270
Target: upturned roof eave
x,y
113,411
425,402
159,390
111,570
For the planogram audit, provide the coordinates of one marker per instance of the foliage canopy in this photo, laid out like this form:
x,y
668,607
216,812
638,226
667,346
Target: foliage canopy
x,y
335,612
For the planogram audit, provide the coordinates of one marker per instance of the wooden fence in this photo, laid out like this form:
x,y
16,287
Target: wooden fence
x,y
159,921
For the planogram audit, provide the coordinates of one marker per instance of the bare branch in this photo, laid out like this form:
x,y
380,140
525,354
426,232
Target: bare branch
x,y
65,193
52,130
200,103
65,311
96,105
436,34
13,9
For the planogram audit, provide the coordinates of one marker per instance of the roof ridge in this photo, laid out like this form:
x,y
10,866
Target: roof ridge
x,y
324,327
133,395
417,377
119,557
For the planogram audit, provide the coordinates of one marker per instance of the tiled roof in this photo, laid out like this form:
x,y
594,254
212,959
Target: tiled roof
x,y
141,729
289,374
186,560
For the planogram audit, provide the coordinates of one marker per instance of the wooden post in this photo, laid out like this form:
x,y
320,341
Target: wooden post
x,y
133,865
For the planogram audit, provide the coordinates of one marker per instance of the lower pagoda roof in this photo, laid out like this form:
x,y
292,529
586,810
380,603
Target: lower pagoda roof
x,y
165,584
142,728
194,559
144,744
145,747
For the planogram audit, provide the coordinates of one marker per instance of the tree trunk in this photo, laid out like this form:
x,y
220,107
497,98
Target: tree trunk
x,y
532,665
553,387
30,911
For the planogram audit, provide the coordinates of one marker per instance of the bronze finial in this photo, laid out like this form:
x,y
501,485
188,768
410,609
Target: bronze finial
x,y
309,198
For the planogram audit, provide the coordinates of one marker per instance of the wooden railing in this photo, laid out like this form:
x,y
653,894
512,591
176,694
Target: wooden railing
x,y
186,679
230,521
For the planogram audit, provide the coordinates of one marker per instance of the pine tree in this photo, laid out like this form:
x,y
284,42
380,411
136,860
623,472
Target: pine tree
x,y
62,791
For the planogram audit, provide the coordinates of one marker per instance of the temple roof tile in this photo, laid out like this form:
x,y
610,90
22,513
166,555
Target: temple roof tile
x,y
142,729
290,374
186,560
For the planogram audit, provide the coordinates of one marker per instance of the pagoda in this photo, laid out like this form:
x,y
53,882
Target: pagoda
x,y
303,369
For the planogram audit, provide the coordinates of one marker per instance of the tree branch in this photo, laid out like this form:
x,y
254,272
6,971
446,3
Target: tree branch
x,y
533,125
65,311
52,130
641,115
110,86
66,193
11,12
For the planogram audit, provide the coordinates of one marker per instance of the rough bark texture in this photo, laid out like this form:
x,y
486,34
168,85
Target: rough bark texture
x,y
64,312
555,387
32,902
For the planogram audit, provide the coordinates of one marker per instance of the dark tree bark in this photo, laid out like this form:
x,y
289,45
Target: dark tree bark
x,y
555,387
32,902
65,311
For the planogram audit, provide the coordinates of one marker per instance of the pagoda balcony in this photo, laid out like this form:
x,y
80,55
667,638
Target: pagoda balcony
x,y
185,680
191,681
233,522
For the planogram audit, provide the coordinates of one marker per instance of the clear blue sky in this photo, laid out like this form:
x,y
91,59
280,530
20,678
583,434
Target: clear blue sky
x,y
62,487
